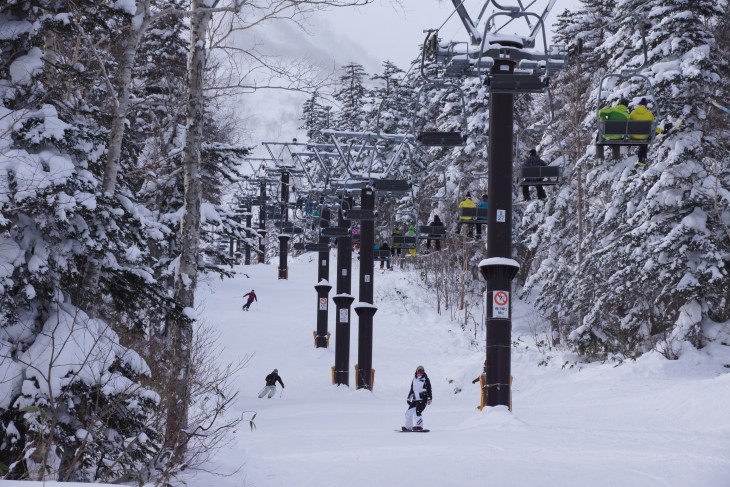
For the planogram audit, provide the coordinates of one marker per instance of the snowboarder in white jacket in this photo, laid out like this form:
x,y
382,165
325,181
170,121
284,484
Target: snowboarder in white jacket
x,y
418,398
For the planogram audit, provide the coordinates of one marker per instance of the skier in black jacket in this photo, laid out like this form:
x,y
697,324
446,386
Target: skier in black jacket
x,y
270,386
418,398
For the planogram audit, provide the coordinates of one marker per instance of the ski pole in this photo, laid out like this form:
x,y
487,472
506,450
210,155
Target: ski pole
x,y
282,392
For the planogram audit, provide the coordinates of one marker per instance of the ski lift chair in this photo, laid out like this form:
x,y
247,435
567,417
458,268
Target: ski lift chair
x,y
428,232
391,187
627,132
441,138
436,138
288,227
542,175
317,247
476,215
617,133
403,242
381,255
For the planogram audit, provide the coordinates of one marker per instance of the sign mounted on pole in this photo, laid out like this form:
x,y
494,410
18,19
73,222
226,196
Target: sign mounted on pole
x,y
322,304
500,304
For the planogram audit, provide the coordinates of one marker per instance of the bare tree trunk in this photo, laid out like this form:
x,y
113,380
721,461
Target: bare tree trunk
x,y
181,334
120,90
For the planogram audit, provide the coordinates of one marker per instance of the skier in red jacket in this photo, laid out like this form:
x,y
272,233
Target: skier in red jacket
x,y
251,298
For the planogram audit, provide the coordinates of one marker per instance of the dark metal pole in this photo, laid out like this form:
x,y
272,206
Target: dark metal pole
x,y
323,287
262,223
284,238
366,310
283,255
343,300
498,269
247,260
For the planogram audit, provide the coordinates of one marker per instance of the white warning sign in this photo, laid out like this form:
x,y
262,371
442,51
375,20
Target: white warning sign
x,y
322,304
500,304
344,315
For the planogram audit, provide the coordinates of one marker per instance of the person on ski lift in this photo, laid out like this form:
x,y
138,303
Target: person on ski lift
x,y
533,161
251,298
384,247
419,396
641,112
395,250
435,223
483,203
355,237
618,112
411,233
466,203
270,387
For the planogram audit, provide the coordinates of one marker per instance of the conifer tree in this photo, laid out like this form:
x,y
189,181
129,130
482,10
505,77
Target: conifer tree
x,y
392,101
351,96
52,218
315,118
665,269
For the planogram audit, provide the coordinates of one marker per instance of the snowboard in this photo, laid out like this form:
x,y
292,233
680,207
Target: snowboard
x,y
411,431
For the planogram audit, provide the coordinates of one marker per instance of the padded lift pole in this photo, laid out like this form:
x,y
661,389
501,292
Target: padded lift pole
x,y
365,309
262,223
323,287
498,273
343,300
283,237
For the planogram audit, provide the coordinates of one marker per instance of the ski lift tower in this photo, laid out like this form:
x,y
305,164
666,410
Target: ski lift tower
x,y
509,65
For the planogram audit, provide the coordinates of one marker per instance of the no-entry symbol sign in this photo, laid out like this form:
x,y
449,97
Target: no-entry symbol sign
x,y
500,304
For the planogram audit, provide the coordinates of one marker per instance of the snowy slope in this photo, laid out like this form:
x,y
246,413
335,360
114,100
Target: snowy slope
x,y
649,423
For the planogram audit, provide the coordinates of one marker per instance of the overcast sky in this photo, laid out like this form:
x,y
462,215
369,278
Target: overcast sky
x,y
369,35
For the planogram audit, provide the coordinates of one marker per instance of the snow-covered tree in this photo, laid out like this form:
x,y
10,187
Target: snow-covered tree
x,y
53,217
653,266
392,101
351,96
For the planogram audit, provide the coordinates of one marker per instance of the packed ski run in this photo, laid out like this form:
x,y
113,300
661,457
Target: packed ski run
x,y
572,424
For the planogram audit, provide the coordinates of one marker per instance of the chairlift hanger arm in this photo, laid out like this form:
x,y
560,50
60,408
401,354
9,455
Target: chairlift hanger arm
x,y
469,24
285,146
297,157
366,151
344,158
401,146
262,166
544,15
641,19
321,156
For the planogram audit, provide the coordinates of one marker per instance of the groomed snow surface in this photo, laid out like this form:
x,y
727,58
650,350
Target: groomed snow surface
x,y
652,422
